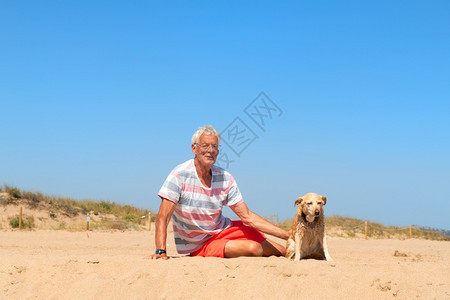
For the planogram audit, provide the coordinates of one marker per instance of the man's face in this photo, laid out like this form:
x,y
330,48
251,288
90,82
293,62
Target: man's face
x,y
207,149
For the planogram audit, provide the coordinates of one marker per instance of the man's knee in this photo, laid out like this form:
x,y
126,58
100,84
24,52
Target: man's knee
x,y
254,249
236,248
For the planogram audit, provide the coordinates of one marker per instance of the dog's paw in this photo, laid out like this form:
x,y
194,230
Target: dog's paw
x,y
290,249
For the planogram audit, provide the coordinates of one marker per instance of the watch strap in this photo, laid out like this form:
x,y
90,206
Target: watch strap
x,y
160,251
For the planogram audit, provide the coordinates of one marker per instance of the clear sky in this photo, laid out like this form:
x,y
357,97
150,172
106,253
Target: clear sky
x,y
99,100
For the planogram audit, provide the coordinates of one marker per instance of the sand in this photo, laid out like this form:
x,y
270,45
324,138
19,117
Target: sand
x,y
56,264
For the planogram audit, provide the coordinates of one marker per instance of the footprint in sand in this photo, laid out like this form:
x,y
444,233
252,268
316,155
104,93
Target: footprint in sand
x,y
17,270
231,266
400,254
385,286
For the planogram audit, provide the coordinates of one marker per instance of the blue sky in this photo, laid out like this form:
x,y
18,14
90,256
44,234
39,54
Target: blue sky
x,y
99,100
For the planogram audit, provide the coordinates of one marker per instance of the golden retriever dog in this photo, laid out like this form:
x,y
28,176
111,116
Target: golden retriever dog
x,y
307,238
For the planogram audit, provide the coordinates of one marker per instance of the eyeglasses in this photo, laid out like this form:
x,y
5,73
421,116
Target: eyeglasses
x,y
206,146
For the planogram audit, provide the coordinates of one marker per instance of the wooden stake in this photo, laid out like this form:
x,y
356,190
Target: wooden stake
x,y
365,225
149,221
410,231
20,219
88,219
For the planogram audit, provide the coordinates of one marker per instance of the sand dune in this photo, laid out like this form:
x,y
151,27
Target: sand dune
x,y
111,265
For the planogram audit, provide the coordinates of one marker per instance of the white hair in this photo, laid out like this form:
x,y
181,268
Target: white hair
x,y
206,129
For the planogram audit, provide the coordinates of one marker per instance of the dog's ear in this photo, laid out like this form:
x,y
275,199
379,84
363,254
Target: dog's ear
x,y
298,201
324,199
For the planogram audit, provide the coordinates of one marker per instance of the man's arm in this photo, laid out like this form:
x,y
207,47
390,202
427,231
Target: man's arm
x,y
162,221
249,218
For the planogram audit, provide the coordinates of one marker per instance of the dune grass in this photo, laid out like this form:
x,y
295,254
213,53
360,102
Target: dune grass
x,y
378,230
27,222
126,216
351,227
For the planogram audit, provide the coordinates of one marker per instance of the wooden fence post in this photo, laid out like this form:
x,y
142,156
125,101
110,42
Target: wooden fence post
x,y
149,221
410,231
365,230
88,219
20,219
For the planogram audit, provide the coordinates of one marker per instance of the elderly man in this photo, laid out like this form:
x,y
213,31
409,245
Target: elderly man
x,y
194,194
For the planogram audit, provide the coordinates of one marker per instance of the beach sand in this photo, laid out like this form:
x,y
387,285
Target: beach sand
x,y
56,264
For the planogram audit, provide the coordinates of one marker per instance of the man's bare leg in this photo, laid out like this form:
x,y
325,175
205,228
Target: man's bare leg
x,y
271,248
237,248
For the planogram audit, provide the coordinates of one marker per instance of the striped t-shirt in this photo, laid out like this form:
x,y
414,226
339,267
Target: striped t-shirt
x,y
198,212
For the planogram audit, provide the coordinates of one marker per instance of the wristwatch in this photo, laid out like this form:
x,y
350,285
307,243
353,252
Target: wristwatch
x,y
160,251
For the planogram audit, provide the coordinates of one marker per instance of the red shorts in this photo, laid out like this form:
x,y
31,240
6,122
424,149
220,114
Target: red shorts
x,y
215,247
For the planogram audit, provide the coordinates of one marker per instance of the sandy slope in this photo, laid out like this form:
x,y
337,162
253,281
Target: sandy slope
x,y
111,265
43,220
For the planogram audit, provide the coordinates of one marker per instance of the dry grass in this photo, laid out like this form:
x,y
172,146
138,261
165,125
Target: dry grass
x,y
105,215
355,228
109,215
27,222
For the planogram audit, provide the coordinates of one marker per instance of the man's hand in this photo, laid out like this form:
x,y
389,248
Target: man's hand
x,y
158,256
164,214
251,219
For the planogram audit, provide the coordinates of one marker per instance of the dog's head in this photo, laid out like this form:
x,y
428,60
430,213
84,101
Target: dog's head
x,y
311,206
